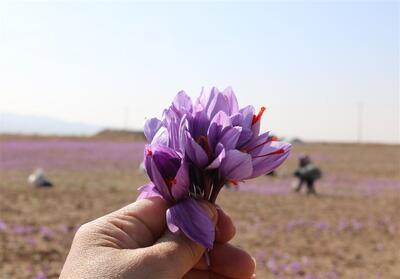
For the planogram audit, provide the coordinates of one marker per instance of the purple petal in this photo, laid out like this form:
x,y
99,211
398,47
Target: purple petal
x,y
236,119
218,104
161,137
166,159
204,100
236,165
263,145
231,99
245,136
182,103
159,183
148,191
171,121
200,124
189,217
257,143
151,127
230,137
248,113
195,152
220,122
264,163
220,150
180,189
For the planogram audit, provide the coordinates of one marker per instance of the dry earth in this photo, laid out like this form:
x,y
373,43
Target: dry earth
x,y
350,230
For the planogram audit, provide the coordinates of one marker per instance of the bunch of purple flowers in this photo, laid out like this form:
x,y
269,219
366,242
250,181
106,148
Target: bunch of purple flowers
x,y
198,147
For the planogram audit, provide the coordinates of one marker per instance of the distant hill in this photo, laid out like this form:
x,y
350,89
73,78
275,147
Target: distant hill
x,y
120,135
27,124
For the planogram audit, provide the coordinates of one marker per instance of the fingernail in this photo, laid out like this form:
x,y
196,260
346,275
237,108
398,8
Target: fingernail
x,y
253,276
255,261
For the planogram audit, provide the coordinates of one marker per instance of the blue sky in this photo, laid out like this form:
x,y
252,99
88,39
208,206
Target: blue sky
x,y
112,64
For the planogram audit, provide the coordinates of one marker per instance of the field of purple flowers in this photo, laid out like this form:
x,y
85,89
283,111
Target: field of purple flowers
x,y
350,230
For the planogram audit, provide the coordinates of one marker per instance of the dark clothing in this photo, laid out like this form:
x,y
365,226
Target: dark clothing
x,y
308,174
310,186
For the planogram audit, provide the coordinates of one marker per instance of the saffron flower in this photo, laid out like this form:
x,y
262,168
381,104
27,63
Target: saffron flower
x,y
199,146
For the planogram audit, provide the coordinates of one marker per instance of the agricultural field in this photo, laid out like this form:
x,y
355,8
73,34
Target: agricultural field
x,y
351,229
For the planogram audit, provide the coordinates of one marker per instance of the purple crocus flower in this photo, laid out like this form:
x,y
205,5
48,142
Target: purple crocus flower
x,y
40,275
199,146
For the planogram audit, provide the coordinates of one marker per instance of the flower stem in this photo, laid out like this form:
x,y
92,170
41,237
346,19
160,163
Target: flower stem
x,y
215,192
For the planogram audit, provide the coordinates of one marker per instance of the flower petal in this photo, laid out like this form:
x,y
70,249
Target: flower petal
x,y
182,103
167,160
264,163
248,113
230,137
195,152
218,104
256,144
236,165
148,191
219,123
220,150
236,119
232,101
151,127
245,136
180,189
161,137
159,182
189,217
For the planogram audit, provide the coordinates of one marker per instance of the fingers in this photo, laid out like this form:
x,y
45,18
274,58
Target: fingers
x,y
225,230
199,274
177,252
143,221
229,261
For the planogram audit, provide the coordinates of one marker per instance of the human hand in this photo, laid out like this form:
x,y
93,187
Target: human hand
x,y
134,242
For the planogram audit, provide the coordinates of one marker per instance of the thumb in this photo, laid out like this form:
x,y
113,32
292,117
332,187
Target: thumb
x,y
177,254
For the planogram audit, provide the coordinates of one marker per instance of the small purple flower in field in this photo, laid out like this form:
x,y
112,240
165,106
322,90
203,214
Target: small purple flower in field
x,y
31,241
23,229
46,233
260,255
293,224
310,276
196,148
295,267
3,226
356,225
40,275
66,228
343,225
305,260
322,226
272,265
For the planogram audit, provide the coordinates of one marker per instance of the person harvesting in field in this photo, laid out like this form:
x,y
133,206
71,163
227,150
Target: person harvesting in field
x,y
307,173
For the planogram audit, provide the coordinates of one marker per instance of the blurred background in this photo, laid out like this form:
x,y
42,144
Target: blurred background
x,y
78,79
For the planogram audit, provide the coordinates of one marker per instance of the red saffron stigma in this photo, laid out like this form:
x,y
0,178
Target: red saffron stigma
x,y
170,181
279,151
234,182
258,145
149,152
257,117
